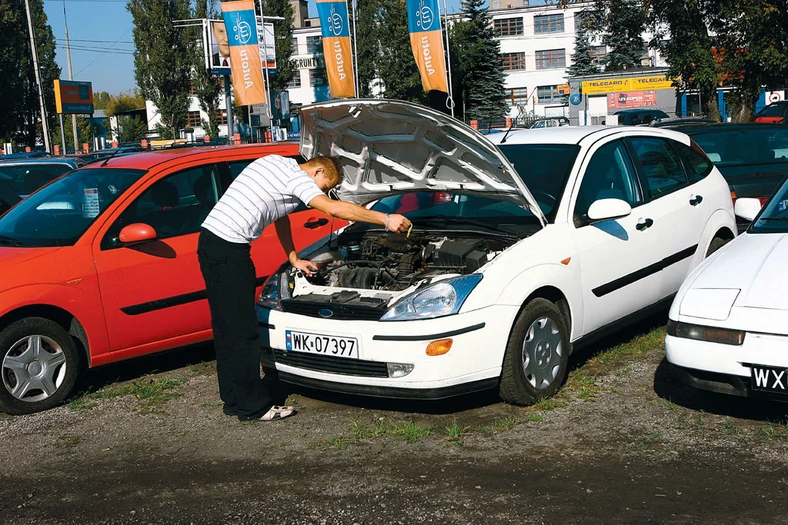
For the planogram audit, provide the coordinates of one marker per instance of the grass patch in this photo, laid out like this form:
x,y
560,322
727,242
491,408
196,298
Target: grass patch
x,y
411,432
505,424
151,393
455,432
637,347
549,403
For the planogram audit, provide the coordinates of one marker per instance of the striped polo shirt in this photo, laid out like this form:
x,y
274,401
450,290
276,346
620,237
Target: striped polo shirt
x,y
267,189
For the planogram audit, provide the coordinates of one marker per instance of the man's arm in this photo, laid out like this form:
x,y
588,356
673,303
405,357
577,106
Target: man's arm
x,y
353,212
285,235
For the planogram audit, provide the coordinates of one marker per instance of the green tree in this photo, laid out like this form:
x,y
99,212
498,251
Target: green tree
x,y
622,23
123,103
582,63
131,129
367,45
283,36
164,58
477,73
399,76
208,88
20,110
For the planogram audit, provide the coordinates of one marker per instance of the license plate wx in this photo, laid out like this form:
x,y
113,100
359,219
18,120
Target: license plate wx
x,y
321,344
769,379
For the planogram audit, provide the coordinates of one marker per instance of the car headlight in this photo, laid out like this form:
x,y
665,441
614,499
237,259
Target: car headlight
x,y
436,300
711,334
278,286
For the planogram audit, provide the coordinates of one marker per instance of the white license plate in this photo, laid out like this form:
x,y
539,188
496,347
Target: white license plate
x,y
321,344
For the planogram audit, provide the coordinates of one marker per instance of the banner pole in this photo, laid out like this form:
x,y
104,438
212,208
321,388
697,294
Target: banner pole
x,y
355,53
228,107
450,99
265,68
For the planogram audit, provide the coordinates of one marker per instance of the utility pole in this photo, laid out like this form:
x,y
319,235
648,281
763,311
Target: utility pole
x,y
70,77
44,125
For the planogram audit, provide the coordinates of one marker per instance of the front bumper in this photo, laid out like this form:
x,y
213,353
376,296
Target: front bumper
x,y
472,364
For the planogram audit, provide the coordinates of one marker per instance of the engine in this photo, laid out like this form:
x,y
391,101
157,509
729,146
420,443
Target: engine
x,y
395,262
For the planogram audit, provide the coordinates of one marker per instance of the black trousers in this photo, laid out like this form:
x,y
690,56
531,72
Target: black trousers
x,y
229,275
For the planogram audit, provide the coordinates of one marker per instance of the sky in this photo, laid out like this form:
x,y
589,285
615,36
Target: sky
x,y
101,41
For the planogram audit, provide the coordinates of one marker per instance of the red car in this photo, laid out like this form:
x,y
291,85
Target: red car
x,y
100,265
775,113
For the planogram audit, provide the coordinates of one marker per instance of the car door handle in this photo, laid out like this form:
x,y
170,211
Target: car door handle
x,y
696,199
313,223
644,224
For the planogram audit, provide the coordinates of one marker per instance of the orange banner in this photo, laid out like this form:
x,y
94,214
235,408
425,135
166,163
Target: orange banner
x,y
426,40
247,72
337,52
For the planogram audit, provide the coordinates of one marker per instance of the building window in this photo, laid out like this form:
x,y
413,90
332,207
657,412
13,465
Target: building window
x,y
193,119
551,59
549,24
222,118
314,44
317,77
582,19
518,96
598,54
549,95
508,26
295,82
512,61
295,45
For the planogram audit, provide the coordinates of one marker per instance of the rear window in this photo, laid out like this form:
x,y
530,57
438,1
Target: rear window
x,y
744,146
774,110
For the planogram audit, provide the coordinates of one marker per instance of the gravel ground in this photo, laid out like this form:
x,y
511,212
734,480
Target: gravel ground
x,y
622,443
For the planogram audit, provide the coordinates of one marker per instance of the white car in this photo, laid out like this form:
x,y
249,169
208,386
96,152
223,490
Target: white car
x,y
728,328
524,245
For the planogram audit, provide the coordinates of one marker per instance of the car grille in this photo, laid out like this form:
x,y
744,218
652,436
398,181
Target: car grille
x,y
334,365
338,311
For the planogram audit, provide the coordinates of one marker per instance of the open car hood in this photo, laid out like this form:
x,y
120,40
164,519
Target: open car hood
x,y
389,146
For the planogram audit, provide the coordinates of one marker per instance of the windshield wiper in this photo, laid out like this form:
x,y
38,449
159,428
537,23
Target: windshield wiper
x,y
461,221
8,241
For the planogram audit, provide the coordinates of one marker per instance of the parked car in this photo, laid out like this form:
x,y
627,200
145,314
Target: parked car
x,y
24,155
525,246
25,176
634,117
775,113
552,122
728,328
8,196
101,265
753,158
679,121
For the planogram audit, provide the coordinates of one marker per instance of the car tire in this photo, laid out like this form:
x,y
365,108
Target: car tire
x,y
716,244
39,366
536,357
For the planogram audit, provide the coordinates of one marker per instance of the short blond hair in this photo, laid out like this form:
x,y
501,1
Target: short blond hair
x,y
330,165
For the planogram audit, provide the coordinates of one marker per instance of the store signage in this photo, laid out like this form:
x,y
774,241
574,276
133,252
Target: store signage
x,y
621,85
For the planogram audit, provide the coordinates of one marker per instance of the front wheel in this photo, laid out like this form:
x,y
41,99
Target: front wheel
x,y
535,362
39,364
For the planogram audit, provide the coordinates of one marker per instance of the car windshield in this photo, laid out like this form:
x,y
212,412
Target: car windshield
x,y
26,178
60,213
744,146
544,168
774,110
774,218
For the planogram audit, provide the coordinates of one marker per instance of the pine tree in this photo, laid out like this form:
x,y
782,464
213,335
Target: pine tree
x,y
367,45
164,58
394,63
625,22
478,74
582,63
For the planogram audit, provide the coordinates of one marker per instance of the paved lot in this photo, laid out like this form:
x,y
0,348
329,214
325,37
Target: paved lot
x,y
622,443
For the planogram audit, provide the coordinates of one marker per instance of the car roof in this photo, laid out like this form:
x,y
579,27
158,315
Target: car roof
x,y
71,161
701,128
576,134
147,159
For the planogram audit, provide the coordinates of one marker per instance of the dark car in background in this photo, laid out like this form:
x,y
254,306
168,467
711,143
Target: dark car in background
x,y
23,176
752,157
634,117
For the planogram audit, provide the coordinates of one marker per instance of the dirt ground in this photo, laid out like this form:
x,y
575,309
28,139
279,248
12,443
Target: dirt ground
x,y
623,442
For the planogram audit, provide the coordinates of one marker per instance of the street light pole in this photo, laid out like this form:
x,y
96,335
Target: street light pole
x,y
70,77
44,125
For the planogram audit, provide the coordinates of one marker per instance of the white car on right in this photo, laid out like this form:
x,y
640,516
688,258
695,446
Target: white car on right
x,y
728,326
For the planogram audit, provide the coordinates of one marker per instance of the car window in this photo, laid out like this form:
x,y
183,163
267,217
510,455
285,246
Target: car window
x,y
27,178
609,175
175,205
773,110
236,167
731,147
660,168
695,162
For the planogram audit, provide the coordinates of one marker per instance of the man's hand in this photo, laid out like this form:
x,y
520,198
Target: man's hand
x,y
305,266
398,223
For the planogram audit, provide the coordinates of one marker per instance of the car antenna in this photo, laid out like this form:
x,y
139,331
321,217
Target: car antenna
x,y
507,132
107,159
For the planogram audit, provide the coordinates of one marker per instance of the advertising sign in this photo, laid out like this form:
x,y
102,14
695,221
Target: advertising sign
x,y
241,25
621,85
336,48
218,47
632,99
73,97
426,41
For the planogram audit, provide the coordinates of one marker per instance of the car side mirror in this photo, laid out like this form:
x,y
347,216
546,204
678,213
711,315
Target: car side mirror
x,y
136,232
747,208
607,209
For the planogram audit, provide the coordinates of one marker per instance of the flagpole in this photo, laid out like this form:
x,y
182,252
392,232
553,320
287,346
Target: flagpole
x,y
450,99
355,52
265,71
